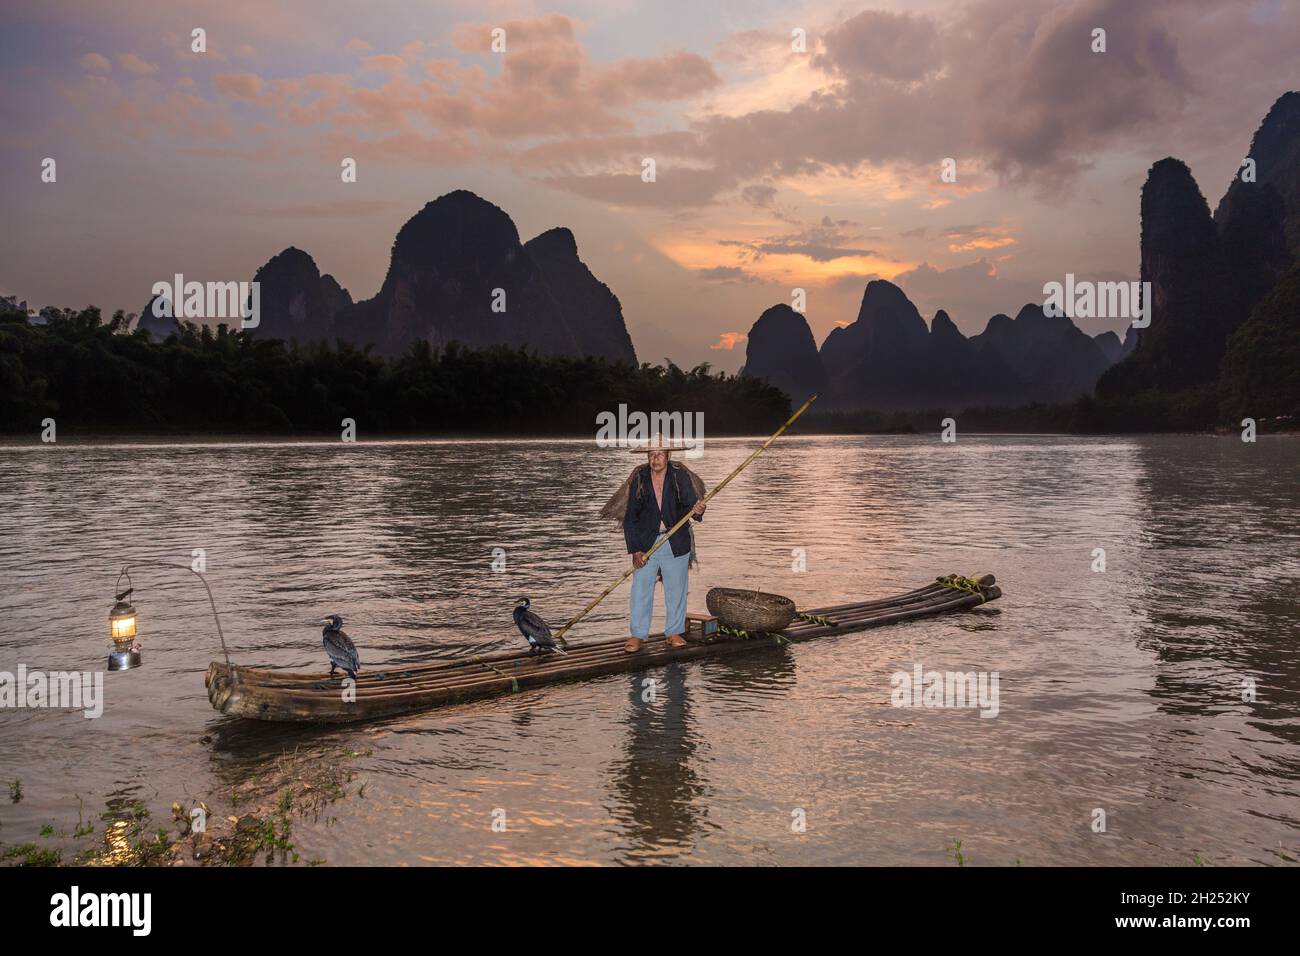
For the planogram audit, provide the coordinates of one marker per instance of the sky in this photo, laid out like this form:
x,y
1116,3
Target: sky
x,y
796,145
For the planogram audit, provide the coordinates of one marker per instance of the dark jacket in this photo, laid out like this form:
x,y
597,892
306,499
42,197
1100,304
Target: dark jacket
x,y
641,524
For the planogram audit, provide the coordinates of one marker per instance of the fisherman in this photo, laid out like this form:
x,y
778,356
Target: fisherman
x,y
655,497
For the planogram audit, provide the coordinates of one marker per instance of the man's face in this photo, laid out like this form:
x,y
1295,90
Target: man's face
x,y
658,461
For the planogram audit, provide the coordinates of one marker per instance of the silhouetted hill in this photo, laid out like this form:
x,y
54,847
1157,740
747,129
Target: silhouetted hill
x,y
781,349
1259,221
879,360
295,300
1192,308
1275,148
1053,359
887,322
1111,347
448,262
592,311
889,359
158,327
959,374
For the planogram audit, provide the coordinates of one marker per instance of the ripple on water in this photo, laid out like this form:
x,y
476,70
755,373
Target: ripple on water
x,y
1119,690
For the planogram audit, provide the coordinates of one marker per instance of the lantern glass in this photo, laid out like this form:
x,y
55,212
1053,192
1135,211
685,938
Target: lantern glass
x,y
122,624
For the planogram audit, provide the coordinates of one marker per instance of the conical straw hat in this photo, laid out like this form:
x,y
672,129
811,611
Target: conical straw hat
x,y
658,443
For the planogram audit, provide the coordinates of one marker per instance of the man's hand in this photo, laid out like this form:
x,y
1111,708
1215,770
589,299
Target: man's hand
x,y
698,510
638,559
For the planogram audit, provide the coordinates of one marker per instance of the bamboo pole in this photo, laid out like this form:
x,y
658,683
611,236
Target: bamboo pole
x,y
559,635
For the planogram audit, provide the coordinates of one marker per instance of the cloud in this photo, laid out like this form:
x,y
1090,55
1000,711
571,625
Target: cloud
x,y
973,238
133,64
896,46
95,63
238,86
1007,86
729,340
672,77
759,195
726,274
823,242
672,188
385,63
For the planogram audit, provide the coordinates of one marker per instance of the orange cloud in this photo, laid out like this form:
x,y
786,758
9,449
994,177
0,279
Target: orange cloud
x,y
385,62
95,63
239,86
729,340
133,64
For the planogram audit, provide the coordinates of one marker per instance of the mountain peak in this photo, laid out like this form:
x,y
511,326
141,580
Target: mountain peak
x,y
297,302
782,350
883,294
1192,303
1278,131
1263,216
554,242
943,327
459,226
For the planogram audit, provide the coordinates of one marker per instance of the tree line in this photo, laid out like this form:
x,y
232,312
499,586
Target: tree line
x,y
91,374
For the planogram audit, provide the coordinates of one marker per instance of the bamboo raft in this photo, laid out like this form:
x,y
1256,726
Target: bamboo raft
x,y
287,696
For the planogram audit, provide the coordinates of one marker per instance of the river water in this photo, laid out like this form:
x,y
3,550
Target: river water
x,y
1120,691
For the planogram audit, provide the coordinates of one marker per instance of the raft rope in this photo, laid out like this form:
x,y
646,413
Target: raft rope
x,y
814,619
962,583
742,634
514,681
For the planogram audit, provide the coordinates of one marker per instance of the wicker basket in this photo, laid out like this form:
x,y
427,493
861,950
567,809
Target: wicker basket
x,y
753,611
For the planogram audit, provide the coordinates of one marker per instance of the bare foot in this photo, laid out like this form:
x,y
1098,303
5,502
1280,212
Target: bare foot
x,y
675,641
633,645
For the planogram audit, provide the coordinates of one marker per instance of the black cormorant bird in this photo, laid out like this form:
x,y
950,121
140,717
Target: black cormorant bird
x,y
342,652
534,628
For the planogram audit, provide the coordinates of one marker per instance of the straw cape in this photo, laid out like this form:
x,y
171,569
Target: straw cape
x,y
616,508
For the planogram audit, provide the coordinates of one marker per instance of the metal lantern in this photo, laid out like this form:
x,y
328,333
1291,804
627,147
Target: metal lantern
x,y
121,630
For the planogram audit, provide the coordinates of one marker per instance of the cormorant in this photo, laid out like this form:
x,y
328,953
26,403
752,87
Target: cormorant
x,y
342,652
534,628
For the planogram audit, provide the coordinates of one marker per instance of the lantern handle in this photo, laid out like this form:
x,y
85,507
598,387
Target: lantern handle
x,y
211,600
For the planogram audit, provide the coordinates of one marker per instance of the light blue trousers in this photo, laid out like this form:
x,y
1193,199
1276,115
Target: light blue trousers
x,y
675,571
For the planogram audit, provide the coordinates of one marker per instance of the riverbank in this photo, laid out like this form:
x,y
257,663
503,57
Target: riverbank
x,y
253,823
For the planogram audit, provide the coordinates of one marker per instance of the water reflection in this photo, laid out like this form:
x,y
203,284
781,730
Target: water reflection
x,y
1122,687
656,784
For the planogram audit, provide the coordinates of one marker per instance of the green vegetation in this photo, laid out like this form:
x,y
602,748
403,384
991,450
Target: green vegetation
x,y
294,786
89,374
954,851
1261,370
29,854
